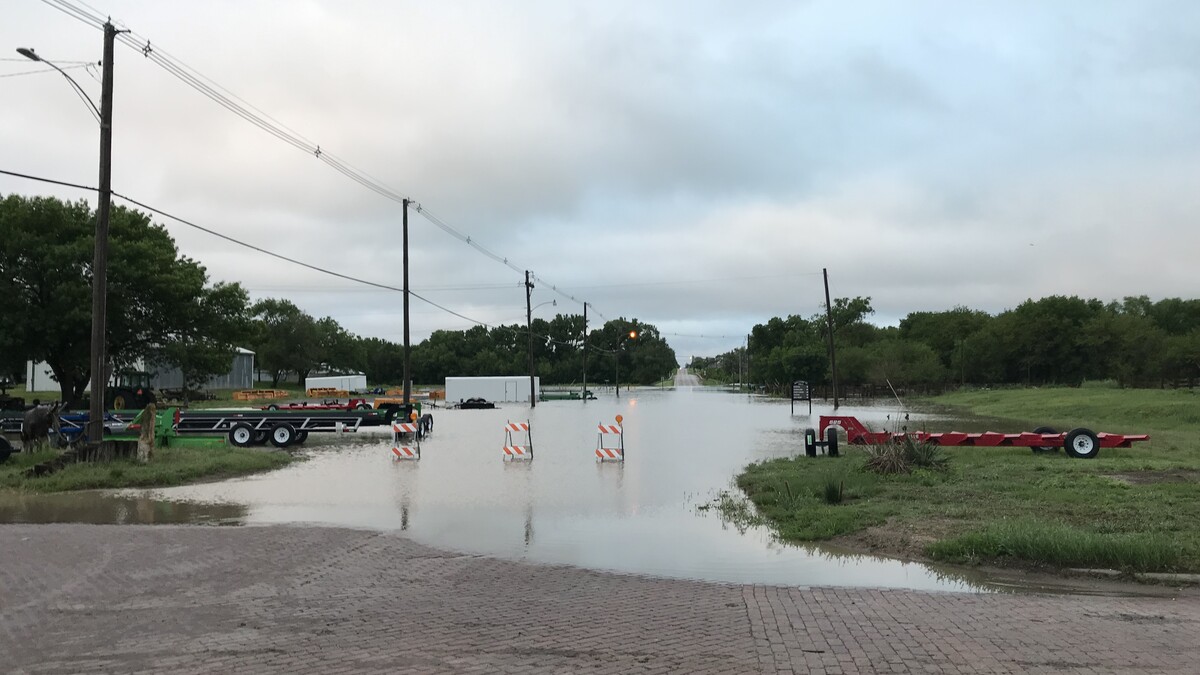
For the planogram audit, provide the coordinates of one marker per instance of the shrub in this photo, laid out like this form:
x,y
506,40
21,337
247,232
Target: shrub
x,y
904,456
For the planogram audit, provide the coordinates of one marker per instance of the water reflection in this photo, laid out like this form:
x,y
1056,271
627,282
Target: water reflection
x,y
562,507
114,509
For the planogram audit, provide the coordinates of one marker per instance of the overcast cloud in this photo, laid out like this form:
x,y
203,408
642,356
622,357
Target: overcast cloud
x,y
691,164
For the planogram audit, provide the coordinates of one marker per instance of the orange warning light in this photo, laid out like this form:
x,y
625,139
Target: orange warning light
x,y
620,419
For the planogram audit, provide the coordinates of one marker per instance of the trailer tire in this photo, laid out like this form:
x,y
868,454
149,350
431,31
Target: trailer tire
x,y
301,436
831,442
810,442
283,435
241,435
272,406
389,414
1044,448
1082,443
364,406
6,449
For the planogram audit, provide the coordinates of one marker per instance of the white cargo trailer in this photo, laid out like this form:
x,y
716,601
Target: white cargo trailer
x,y
509,388
340,382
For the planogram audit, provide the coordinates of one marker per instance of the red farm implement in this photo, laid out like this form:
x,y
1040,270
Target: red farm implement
x,y
1081,443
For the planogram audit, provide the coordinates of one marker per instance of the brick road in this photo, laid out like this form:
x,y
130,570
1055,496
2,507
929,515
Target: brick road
x,y
80,598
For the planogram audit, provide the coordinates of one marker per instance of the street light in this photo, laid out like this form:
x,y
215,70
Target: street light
x,y
98,360
617,354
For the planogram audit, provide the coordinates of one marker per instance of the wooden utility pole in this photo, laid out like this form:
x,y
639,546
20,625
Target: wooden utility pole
x,y
99,360
407,362
832,353
529,328
584,392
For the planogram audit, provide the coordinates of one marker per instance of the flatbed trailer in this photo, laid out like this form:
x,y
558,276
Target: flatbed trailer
x,y
242,427
1080,442
281,427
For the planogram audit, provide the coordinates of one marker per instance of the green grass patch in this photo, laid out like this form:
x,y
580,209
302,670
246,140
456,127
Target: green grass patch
x,y
169,466
1063,546
1134,508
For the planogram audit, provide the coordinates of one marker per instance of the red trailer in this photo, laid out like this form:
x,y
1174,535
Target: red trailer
x,y
1081,443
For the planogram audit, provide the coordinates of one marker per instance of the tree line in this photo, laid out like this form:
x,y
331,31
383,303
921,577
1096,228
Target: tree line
x,y
164,311
1056,340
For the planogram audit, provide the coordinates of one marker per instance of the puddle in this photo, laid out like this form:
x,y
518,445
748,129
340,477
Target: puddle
x,y
682,447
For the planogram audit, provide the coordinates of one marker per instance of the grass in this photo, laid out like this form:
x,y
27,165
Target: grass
x,y
169,466
1062,546
1136,508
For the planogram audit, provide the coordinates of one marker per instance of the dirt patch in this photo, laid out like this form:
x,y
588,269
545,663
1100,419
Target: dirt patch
x,y
895,540
1149,477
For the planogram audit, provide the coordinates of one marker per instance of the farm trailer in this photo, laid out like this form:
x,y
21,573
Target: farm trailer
x,y
1080,442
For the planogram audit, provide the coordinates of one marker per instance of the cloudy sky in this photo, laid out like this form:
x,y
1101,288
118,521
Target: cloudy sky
x,y
691,164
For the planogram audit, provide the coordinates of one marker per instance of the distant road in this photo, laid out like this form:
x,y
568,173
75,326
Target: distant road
x,y
685,379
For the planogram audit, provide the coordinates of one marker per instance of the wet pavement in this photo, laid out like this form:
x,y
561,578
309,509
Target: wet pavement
x,y
294,599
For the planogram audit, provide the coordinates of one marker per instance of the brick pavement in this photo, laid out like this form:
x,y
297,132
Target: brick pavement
x,y
83,598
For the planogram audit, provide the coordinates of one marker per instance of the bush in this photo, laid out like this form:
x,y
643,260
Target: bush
x,y
905,456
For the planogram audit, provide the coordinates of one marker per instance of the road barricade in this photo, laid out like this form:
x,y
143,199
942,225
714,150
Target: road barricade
x,y
512,451
610,442
404,431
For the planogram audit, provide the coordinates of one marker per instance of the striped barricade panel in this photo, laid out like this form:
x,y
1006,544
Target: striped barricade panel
x,y
610,429
405,452
517,452
517,426
404,428
606,454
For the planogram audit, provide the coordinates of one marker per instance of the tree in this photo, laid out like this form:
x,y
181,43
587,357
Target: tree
x,y
46,248
213,325
286,339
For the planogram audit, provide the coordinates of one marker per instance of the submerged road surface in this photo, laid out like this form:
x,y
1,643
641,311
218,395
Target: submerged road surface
x,y
93,598
685,379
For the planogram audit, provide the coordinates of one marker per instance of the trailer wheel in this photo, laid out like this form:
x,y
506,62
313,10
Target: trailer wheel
x,y
1082,443
390,413
810,442
364,406
1044,448
6,449
283,435
272,407
241,435
301,436
831,442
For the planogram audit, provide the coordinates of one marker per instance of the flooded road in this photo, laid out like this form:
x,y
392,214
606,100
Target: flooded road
x,y
683,446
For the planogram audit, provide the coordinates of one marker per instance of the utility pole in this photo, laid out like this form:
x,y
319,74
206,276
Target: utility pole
x,y
584,392
832,354
529,327
407,363
96,407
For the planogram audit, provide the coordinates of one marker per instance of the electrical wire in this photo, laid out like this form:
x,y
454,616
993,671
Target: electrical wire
x,y
270,125
273,254
44,70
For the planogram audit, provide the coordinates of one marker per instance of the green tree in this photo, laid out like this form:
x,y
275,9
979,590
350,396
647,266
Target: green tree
x,y
286,339
46,250
213,325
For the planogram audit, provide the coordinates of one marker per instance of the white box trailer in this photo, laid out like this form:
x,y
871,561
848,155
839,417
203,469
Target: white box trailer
x,y
499,389
340,382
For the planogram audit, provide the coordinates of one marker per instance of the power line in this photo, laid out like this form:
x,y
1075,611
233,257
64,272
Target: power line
x,y
255,116
43,70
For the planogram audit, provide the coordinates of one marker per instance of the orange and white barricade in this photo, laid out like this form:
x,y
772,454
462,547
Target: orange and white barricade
x,y
610,442
512,451
401,432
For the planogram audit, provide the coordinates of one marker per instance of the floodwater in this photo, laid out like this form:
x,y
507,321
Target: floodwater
x,y
683,446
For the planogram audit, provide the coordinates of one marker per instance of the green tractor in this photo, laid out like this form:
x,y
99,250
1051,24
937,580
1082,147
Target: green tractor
x,y
130,391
